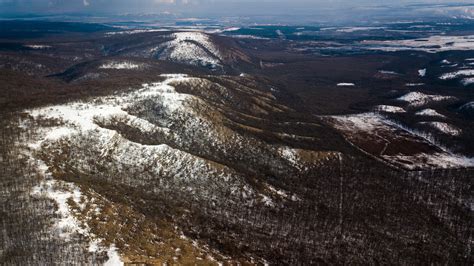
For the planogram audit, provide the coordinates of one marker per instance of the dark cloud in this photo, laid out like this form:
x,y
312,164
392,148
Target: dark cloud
x,y
206,7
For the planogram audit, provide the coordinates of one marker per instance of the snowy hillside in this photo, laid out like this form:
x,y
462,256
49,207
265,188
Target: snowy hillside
x,y
195,48
418,99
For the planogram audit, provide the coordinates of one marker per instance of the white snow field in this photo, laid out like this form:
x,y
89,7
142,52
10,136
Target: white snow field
x,y
432,44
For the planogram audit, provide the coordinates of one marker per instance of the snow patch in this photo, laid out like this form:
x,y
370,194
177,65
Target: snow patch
x,y
114,257
422,72
121,65
291,155
388,72
414,84
345,84
389,109
60,193
37,46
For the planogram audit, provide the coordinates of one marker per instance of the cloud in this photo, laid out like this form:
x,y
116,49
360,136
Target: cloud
x,y
324,9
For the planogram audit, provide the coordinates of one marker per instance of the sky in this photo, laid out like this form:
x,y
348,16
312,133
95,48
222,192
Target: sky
x,y
235,7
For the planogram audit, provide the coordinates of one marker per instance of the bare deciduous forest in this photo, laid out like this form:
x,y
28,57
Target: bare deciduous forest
x,y
257,152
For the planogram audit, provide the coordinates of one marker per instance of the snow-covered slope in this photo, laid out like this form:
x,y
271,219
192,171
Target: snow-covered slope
x,y
382,138
417,99
195,48
444,128
457,74
389,109
90,122
467,106
467,109
429,112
